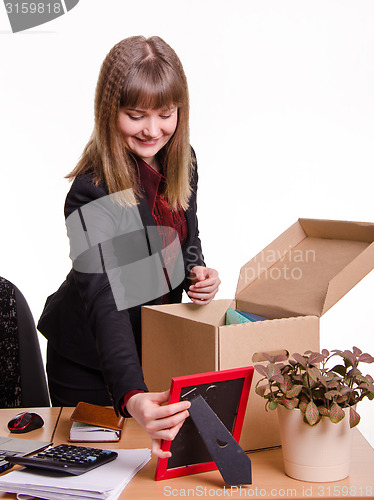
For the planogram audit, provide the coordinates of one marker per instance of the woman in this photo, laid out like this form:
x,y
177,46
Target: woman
x,y
138,164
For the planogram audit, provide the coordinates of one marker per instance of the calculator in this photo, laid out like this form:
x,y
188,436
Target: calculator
x,y
66,458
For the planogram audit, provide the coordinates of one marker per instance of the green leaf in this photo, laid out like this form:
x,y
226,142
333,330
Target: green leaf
x,y
315,357
324,412
262,370
340,369
331,394
268,357
344,390
261,389
311,413
353,397
325,353
280,357
322,379
349,356
314,373
333,384
366,358
302,406
273,405
294,391
342,399
357,351
300,359
287,383
306,382
331,376
274,373
336,413
304,397
347,363
354,417
290,404
354,373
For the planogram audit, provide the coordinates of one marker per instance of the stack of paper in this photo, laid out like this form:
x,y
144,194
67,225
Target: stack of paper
x,y
104,482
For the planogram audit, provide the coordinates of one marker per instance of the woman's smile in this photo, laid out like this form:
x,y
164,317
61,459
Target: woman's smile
x,y
146,142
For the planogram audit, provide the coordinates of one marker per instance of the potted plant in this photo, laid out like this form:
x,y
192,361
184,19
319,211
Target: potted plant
x,y
316,399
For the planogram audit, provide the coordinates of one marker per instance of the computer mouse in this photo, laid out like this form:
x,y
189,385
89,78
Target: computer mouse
x,y
25,422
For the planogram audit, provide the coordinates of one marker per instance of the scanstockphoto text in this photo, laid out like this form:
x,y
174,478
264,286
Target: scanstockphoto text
x,y
304,491
276,265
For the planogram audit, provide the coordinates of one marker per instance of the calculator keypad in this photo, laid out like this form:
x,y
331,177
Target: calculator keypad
x,y
68,458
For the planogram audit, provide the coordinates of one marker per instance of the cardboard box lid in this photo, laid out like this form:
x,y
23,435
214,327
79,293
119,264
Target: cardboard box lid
x,y
307,269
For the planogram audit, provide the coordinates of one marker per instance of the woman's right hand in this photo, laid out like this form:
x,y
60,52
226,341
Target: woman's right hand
x,y
160,420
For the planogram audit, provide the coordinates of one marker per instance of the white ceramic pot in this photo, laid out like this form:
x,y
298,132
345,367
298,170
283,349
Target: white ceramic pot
x,y
318,453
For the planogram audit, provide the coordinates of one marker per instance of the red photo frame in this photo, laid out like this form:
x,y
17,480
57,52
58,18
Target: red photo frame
x,y
227,393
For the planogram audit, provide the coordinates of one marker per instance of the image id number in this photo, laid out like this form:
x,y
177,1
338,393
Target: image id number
x,y
33,8
345,491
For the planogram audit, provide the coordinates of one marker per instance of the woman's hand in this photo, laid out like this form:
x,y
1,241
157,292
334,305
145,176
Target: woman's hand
x,y
159,420
205,284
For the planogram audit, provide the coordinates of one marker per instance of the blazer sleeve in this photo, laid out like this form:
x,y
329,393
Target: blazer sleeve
x,y
111,328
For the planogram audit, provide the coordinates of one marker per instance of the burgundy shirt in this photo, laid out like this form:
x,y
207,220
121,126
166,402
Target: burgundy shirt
x,y
152,184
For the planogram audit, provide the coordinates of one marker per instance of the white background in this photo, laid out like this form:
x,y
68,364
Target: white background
x,y
282,121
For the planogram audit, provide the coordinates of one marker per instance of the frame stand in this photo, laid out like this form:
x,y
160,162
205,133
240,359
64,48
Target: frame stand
x,y
233,464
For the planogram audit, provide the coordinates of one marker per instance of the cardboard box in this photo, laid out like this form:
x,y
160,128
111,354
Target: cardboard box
x,y
293,282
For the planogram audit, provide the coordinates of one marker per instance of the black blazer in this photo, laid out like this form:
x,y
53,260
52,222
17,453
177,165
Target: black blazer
x,y
81,320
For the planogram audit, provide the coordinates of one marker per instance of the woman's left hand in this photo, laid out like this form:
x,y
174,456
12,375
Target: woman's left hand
x,y
205,284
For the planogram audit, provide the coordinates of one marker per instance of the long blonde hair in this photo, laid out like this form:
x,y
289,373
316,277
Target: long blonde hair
x,y
145,73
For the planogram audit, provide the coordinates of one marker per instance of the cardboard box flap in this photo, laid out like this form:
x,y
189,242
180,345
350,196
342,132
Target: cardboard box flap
x,y
306,275
211,314
268,256
349,277
338,230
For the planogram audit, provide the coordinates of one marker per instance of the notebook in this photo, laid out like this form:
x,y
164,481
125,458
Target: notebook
x,y
93,423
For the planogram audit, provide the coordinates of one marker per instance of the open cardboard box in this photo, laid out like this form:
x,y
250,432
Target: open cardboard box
x,y
292,282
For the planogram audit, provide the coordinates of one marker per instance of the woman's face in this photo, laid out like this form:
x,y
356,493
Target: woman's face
x,y
146,131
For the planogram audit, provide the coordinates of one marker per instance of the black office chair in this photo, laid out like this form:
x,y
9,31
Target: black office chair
x,y
23,381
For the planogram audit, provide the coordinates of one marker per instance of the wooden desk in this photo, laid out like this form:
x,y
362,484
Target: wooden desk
x,y
45,433
269,479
